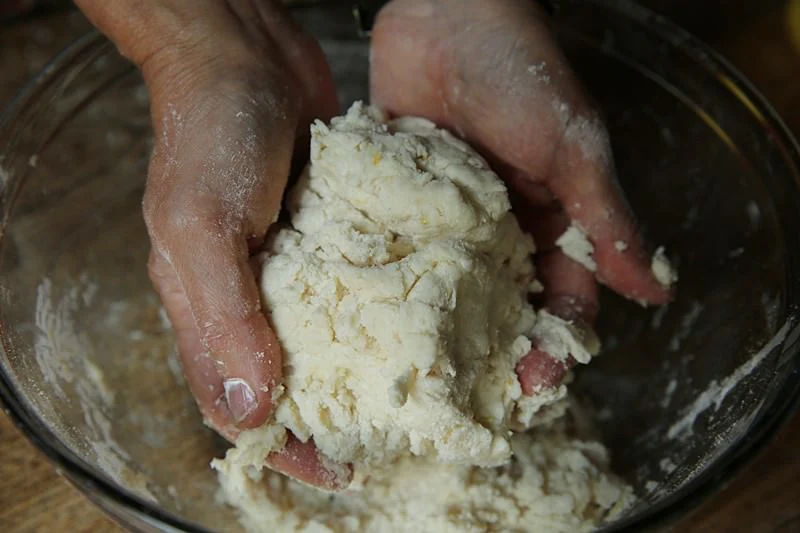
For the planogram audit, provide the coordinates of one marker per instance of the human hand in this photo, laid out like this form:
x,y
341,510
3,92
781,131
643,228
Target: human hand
x,y
232,85
491,71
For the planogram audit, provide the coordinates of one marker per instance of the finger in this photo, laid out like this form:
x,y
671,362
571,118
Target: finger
x,y
215,182
540,214
539,371
584,180
570,292
212,266
581,177
302,461
199,369
527,110
298,460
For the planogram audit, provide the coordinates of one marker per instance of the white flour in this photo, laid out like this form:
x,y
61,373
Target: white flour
x,y
717,391
662,269
64,356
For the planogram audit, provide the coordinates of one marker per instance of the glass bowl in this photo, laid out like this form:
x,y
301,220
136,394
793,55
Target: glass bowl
x,y
683,395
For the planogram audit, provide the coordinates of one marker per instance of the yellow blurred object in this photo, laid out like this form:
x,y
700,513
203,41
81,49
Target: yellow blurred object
x,y
793,22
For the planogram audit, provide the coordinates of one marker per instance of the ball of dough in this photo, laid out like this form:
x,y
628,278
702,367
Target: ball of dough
x,y
400,295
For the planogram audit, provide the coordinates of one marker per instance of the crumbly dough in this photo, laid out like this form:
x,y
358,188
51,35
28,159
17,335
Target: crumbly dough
x,y
577,246
662,268
400,295
553,484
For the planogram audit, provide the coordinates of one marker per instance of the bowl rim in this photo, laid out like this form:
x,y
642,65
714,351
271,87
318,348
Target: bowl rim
x,y
761,429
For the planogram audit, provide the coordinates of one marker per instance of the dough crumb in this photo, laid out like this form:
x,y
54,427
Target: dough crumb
x,y
576,245
621,246
662,269
554,484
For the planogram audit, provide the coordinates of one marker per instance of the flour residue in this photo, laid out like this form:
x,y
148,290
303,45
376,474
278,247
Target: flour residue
x,y
658,317
669,392
667,465
717,391
687,324
539,72
65,357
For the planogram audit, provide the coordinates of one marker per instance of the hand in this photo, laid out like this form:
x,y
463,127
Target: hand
x,y
232,85
491,71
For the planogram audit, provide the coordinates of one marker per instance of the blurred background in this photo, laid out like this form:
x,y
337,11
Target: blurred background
x,y
762,39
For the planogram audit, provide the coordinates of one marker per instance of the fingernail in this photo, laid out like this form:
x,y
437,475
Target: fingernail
x,y
240,398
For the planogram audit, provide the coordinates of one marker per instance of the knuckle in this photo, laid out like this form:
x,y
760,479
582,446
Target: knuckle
x,y
164,217
176,220
174,217
264,96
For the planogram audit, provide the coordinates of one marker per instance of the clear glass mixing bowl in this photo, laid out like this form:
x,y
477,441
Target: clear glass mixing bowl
x,y
684,394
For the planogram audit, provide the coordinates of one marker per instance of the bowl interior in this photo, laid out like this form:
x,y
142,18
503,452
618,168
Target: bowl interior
x,y
89,361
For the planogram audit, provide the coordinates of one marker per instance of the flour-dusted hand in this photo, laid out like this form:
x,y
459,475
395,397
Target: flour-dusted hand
x,y
232,84
492,71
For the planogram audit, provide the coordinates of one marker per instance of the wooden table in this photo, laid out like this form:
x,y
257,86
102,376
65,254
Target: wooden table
x,y
761,38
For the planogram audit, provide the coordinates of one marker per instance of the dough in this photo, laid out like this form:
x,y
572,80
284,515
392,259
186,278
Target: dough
x,y
662,269
400,295
576,245
553,484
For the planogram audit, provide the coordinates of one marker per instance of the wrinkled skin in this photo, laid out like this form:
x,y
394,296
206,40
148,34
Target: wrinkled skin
x,y
233,86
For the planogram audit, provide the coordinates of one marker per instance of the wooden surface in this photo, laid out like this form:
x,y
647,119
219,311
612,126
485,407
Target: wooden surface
x,y
34,498
764,43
